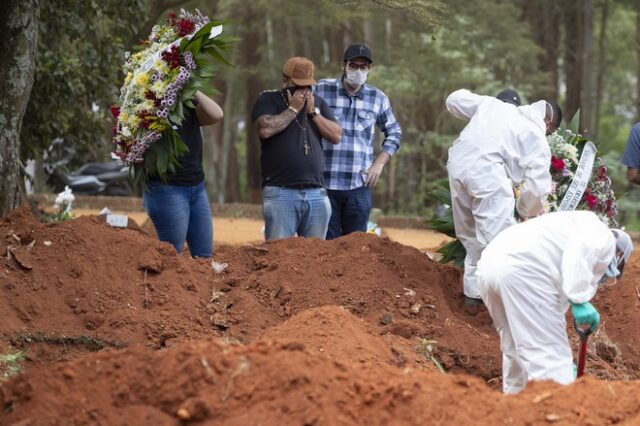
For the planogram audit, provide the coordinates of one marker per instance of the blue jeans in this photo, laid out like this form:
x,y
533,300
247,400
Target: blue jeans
x,y
289,211
349,211
181,213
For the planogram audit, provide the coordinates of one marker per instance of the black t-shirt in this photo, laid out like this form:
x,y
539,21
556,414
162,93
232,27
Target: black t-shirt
x,y
189,172
283,158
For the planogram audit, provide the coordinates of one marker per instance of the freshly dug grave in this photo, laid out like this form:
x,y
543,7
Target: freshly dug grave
x,y
80,286
283,378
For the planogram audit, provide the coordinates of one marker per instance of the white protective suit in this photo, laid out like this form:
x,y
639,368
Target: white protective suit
x,y
502,146
527,276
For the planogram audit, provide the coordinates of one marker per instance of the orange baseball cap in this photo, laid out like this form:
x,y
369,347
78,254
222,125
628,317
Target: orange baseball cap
x,y
300,70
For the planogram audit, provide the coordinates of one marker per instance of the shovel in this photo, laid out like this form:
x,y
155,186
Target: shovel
x,y
583,333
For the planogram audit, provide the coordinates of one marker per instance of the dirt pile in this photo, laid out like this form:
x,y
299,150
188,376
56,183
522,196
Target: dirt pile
x,y
81,285
314,332
82,282
278,380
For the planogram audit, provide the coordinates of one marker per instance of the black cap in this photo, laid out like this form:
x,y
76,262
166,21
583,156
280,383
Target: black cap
x,y
509,96
358,51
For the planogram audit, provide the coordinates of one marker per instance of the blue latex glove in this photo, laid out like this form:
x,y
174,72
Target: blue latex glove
x,y
585,314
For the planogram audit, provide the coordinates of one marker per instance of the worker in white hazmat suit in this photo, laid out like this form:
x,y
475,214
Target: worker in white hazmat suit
x,y
503,145
531,273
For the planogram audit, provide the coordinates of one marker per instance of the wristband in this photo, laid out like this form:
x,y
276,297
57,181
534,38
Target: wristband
x,y
293,109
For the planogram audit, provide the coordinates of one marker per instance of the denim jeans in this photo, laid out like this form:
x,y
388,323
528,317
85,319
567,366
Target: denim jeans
x,y
289,211
349,211
181,213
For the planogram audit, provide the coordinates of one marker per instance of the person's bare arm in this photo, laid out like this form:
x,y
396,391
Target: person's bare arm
x,y
633,176
269,125
375,170
208,110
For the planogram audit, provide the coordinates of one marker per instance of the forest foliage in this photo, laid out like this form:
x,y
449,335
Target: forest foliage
x,y
582,54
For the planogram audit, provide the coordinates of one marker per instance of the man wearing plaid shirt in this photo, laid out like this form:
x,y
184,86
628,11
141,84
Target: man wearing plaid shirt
x,y
349,169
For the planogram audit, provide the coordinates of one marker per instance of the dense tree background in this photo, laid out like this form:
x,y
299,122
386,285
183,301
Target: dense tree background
x,y
583,53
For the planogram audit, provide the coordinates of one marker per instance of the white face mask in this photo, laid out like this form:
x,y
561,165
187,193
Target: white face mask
x,y
355,78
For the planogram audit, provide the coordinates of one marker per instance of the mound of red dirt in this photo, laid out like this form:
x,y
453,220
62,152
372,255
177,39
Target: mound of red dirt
x,y
82,282
81,285
284,379
397,288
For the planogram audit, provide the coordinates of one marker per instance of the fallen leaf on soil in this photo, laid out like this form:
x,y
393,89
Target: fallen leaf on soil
x,y
542,397
21,257
409,292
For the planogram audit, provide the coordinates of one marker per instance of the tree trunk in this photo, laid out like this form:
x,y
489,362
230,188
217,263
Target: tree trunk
x,y
601,66
232,187
18,42
638,59
228,135
251,38
368,29
586,93
543,16
572,57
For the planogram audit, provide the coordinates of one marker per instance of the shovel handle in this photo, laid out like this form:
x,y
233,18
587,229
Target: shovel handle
x,y
583,333
582,349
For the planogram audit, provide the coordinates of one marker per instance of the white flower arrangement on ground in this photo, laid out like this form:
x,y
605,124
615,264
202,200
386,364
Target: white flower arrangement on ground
x,y
63,205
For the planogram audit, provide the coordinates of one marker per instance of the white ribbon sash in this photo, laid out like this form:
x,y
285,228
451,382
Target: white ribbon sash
x,y
580,180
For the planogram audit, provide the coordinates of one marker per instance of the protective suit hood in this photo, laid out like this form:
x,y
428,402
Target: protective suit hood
x,y
536,112
623,244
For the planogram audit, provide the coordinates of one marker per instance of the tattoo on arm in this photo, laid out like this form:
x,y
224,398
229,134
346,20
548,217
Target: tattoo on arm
x,y
269,125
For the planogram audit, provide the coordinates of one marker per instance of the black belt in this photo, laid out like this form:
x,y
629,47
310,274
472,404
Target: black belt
x,y
302,186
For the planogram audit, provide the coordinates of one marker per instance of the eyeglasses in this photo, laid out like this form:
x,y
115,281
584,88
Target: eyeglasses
x,y
353,66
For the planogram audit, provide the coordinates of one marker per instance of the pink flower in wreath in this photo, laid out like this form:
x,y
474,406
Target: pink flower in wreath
x,y
602,173
557,164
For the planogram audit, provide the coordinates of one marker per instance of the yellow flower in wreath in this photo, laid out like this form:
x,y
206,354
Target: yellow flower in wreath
x,y
142,79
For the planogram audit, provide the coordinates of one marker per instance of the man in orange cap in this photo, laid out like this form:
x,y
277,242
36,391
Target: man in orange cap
x,y
291,123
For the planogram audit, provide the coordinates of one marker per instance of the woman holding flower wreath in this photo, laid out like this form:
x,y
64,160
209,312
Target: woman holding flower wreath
x,y
179,208
159,114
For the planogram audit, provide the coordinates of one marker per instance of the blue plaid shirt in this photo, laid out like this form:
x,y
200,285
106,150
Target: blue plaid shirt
x,y
357,115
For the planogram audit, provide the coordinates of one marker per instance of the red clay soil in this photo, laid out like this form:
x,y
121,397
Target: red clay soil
x,y
391,316
283,378
88,285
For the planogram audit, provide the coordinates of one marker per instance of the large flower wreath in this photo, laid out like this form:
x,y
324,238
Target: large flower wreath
x,y
580,182
176,60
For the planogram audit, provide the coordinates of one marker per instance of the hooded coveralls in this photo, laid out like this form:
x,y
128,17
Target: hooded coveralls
x,y
527,276
501,146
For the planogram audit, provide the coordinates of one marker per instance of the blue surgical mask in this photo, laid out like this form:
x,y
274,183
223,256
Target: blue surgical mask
x,y
611,271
